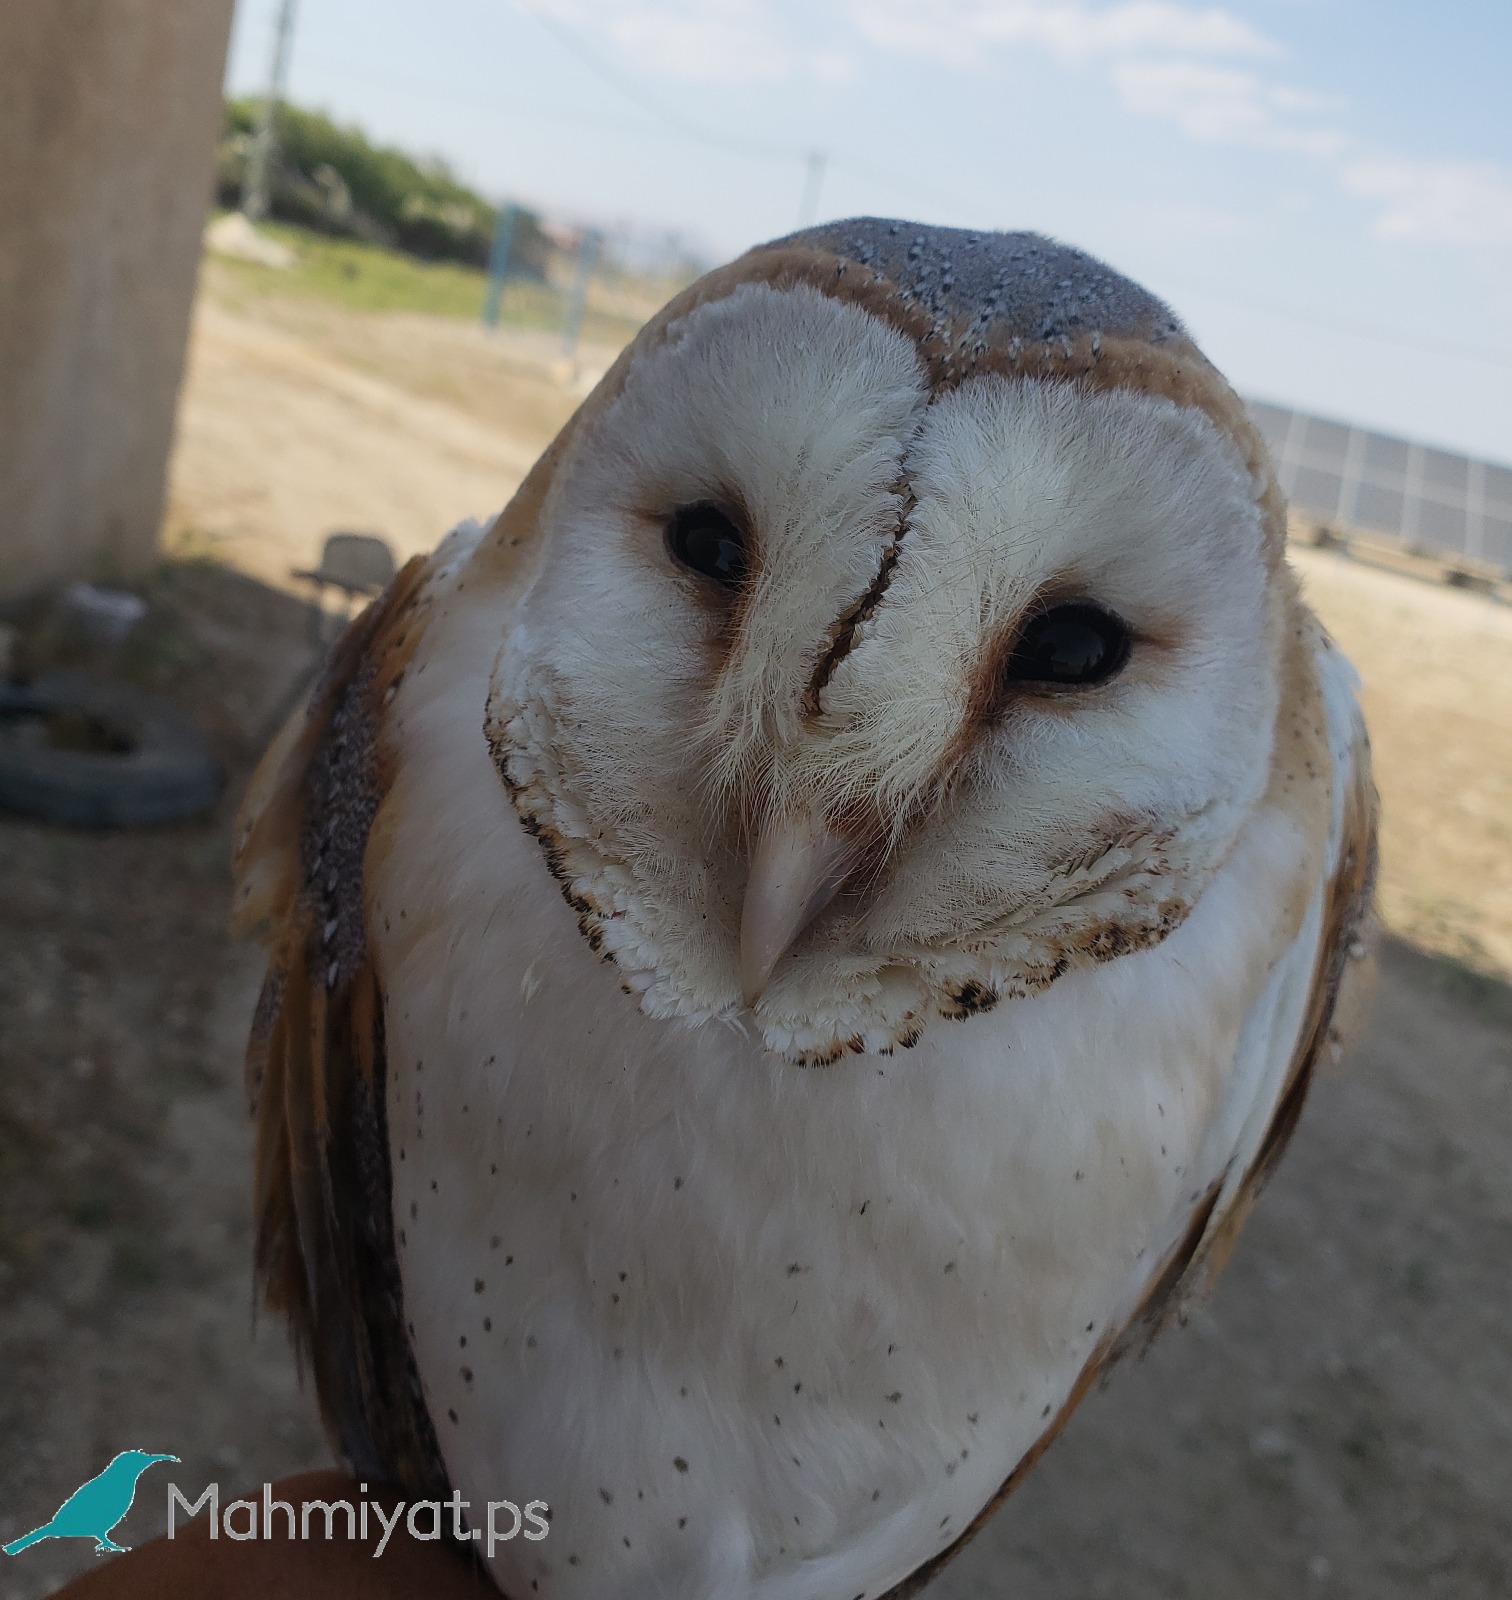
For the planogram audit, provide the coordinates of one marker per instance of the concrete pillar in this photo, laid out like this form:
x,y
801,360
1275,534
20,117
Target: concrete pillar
x,y
109,115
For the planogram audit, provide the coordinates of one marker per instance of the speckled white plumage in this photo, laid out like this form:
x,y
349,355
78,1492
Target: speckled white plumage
x,y
707,1256
761,1329
651,1191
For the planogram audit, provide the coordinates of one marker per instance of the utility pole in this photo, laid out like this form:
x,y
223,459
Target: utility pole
x,y
808,206
498,263
260,157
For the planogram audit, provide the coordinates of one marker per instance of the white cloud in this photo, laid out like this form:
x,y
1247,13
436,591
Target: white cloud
x,y
1428,202
957,30
728,40
703,41
1224,105
1444,202
1203,69
1210,74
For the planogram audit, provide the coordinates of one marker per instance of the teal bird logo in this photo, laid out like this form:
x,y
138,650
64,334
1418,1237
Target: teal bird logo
x,y
95,1507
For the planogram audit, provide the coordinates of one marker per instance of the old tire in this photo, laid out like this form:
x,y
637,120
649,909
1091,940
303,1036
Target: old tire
x,y
123,760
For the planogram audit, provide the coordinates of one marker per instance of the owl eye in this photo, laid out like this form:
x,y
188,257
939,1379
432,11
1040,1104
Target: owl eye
x,y
1075,644
703,538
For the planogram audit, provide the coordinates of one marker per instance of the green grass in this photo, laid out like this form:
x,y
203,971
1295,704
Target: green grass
x,y
364,277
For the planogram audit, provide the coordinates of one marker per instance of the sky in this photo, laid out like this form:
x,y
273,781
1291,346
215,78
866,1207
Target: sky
x,y
1321,189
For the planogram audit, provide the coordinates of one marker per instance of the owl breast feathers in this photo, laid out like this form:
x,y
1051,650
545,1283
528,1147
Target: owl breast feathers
x,y
799,941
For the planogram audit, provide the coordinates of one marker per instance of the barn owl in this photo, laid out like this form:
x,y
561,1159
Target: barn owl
x,y
798,941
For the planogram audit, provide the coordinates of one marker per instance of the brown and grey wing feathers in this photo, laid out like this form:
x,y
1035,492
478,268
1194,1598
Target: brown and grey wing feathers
x,y
315,1062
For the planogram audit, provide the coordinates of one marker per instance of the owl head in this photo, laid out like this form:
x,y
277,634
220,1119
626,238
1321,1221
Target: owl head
x,y
904,630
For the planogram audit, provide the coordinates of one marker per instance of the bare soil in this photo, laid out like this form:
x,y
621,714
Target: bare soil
x,y
1335,1421
126,1314
301,418
1435,665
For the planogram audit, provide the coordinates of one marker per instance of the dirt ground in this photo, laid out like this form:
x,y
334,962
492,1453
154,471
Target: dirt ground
x,y
1335,1422
299,419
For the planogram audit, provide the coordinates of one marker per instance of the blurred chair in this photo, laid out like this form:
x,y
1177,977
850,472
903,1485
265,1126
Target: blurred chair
x,y
356,565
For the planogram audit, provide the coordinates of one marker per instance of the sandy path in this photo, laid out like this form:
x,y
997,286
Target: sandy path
x,y
280,443
1436,671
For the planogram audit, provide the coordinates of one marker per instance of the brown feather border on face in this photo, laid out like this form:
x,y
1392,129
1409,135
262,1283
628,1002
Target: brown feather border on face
x,y
971,978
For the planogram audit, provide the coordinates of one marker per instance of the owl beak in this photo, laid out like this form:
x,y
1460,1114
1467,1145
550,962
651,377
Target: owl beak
x,y
797,866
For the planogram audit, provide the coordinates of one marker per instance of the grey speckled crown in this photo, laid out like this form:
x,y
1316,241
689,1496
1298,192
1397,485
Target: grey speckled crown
x,y
1022,285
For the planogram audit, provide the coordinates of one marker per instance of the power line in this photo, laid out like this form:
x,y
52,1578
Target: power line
x,y
578,46
808,207
816,163
1499,359
511,108
816,160
808,204
515,108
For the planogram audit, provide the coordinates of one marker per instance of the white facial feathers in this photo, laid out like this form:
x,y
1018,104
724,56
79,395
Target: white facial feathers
x,y
794,411
1028,492
651,725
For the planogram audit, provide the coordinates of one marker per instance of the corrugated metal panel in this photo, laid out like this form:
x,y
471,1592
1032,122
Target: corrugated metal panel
x,y
1432,500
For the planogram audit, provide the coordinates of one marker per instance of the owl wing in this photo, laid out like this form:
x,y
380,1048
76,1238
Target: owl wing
x,y
324,1248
